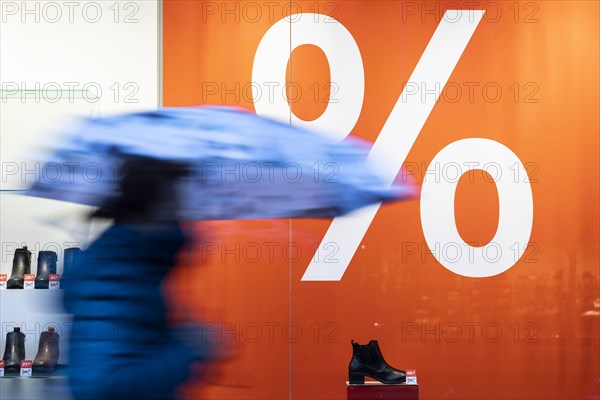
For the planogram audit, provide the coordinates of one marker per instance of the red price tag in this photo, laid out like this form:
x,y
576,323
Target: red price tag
x,y
3,277
54,281
411,376
26,367
1,363
29,281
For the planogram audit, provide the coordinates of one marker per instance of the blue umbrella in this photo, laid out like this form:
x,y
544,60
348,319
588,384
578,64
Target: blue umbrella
x,y
242,165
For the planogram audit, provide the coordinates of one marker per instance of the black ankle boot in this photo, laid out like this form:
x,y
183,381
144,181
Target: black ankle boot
x,y
367,360
47,355
14,351
46,265
21,266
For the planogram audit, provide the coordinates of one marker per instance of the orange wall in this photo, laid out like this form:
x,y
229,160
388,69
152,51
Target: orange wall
x,y
542,309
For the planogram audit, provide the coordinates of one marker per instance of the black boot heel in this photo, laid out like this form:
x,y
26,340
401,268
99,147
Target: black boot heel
x,y
356,379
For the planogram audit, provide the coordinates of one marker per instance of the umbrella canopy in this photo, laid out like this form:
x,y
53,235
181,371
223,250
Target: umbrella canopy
x,y
242,165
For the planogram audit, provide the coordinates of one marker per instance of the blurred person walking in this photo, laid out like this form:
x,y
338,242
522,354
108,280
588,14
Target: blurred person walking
x,y
121,345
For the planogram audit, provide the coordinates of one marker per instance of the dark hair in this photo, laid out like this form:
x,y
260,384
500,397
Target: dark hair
x,y
145,183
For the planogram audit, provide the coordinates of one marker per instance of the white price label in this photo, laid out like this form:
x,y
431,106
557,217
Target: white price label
x,y
29,281
26,366
411,377
54,281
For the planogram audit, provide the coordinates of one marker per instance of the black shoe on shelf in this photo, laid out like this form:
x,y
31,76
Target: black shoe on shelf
x,y
14,351
21,266
367,360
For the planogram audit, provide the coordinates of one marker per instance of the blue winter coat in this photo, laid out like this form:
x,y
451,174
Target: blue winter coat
x,y
120,345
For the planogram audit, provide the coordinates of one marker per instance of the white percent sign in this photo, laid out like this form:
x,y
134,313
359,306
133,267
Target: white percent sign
x,y
395,140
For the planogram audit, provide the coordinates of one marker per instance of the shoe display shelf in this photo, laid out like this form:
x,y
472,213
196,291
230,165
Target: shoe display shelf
x,y
34,312
52,387
26,223
381,391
